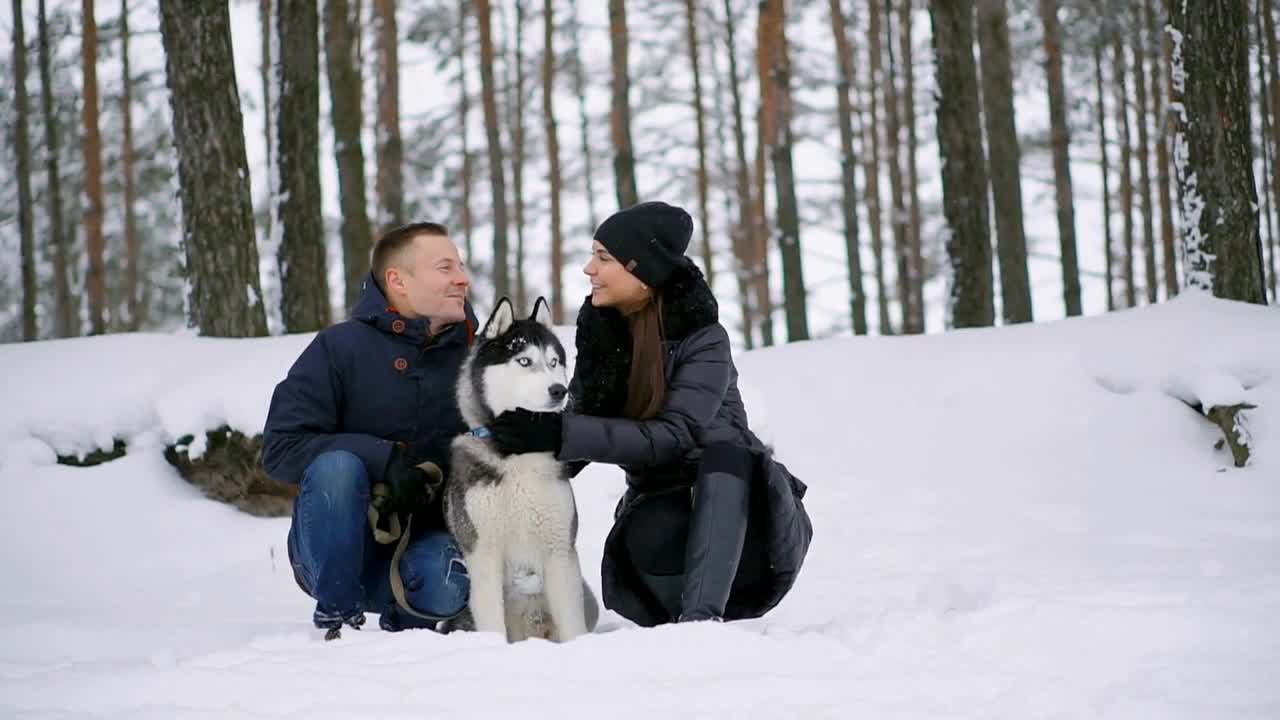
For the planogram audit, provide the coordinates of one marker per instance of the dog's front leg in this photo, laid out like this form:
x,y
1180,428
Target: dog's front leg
x,y
485,566
564,594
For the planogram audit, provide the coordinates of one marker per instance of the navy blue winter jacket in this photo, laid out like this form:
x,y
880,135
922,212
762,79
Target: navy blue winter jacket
x,y
364,384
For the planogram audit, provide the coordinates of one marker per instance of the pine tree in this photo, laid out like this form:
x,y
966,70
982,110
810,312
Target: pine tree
x,y
964,176
1004,155
553,157
497,179
1061,156
691,35
1108,247
342,66
302,261
208,131
777,131
1160,93
1214,154
131,240
64,310
95,281
22,148
915,323
624,163
848,169
389,149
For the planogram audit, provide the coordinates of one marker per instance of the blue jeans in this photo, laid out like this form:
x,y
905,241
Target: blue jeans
x,y
338,562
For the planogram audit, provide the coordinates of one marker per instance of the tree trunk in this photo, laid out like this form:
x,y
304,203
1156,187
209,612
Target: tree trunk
x,y
777,116
1144,165
389,150
1273,71
848,169
213,172
268,112
964,175
1268,155
1126,168
464,112
1106,173
1220,238
1004,155
553,157
515,112
580,89
92,147
914,324
1161,91
126,162
740,229
342,65
872,171
1061,156
760,221
700,119
304,282
22,148
624,164
744,235
898,213
64,310
497,180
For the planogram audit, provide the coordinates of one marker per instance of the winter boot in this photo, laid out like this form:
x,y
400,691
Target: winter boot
x,y
717,531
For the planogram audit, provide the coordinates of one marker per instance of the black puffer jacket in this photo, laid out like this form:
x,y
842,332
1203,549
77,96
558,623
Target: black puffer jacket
x,y
703,407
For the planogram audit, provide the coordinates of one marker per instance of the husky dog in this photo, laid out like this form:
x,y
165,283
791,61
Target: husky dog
x,y
514,517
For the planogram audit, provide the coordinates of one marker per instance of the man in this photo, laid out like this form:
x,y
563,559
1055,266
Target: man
x,y
368,409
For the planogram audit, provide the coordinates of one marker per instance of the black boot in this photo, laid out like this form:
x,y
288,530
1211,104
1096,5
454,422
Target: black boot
x,y
716,531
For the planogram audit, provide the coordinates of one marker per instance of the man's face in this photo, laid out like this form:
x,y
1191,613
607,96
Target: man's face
x,y
428,280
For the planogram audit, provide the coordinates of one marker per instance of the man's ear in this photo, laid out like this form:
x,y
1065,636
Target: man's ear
x,y
541,312
500,321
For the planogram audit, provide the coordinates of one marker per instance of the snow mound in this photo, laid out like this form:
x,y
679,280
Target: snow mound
x,y
1019,522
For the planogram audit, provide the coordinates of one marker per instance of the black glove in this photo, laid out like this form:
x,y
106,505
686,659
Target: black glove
x,y
412,488
520,431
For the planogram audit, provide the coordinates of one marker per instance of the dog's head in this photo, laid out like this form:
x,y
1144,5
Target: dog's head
x,y
513,364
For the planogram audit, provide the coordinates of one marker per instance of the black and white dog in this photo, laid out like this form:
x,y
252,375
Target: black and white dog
x,y
514,517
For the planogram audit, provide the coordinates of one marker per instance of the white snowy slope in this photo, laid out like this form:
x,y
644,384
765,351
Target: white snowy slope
x,y
1013,523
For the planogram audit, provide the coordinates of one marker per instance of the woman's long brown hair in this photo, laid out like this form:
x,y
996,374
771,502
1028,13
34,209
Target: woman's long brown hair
x,y
647,384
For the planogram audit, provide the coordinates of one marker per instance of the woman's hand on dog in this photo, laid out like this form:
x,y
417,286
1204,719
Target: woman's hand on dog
x,y
520,431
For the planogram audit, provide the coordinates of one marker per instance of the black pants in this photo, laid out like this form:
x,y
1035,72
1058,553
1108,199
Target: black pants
x,y
695,550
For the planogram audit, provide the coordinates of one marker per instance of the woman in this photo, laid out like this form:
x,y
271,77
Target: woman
x,y
711,527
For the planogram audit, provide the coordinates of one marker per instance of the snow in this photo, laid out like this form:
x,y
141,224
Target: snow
x,y
1018,522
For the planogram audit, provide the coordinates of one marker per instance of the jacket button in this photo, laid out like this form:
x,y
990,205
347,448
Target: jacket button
x,y
401,364
397,325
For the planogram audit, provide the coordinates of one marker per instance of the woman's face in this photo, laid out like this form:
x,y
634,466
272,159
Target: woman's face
x,y
612,285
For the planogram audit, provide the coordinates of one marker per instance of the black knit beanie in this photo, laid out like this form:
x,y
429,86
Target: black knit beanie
x,y
649,239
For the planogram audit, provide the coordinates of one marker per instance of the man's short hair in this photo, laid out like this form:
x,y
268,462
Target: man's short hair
x,y
395,240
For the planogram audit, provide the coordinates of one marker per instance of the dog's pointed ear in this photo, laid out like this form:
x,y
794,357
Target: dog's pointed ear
x,y
500,321
541,312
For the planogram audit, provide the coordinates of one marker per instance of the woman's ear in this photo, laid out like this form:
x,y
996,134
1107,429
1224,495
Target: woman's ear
x,y
541,312
500,321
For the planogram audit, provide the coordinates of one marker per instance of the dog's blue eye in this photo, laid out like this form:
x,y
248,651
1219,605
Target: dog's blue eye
x,y
524,362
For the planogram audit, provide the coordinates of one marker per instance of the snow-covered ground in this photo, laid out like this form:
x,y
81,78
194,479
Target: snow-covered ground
x,y
1011,523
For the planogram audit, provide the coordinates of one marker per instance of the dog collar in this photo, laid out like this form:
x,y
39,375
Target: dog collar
x,y
481,432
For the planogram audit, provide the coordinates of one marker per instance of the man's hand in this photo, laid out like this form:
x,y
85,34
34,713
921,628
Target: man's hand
x,y
412,487
520,431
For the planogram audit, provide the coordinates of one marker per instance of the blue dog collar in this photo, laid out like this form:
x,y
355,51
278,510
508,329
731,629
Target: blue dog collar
x,y
481,432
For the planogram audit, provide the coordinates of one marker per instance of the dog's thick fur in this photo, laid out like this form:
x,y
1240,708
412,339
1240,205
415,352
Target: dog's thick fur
x,y
514,517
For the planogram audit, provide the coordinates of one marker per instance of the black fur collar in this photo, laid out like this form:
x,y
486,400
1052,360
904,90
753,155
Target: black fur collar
x,y
604,340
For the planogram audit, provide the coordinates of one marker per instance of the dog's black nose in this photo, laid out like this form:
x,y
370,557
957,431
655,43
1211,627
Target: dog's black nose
x,y
558,392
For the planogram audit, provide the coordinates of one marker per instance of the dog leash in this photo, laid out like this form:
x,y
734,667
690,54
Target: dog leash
x,y
481,432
